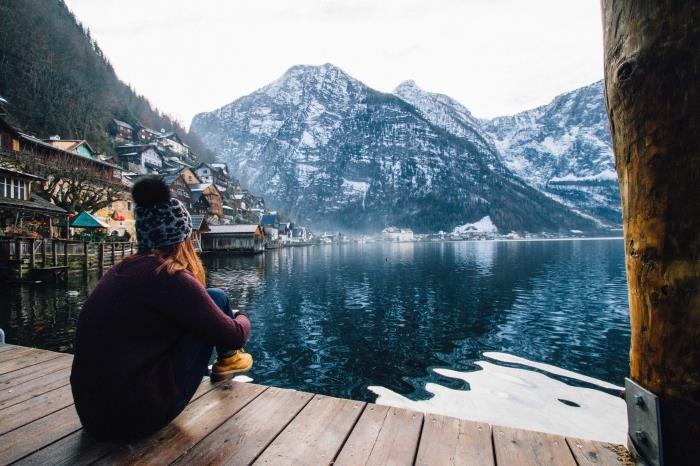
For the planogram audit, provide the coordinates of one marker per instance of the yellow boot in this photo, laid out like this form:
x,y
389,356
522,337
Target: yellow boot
x,y
226,367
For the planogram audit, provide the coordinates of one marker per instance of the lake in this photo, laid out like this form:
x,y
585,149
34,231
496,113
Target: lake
x,y
357,320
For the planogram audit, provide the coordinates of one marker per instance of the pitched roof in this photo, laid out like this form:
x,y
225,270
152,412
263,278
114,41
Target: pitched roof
x,y
200,222
69,145
39,142
122,123
35,203
19,173
87,220
232,229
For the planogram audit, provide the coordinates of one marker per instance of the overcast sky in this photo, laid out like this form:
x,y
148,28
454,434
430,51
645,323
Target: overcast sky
x,y
496,57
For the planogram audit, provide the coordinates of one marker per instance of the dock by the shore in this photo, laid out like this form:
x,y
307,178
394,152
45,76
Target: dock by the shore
x,y
246,423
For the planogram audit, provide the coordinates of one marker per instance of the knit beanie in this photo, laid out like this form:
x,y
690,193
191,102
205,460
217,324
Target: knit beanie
x,y
160,220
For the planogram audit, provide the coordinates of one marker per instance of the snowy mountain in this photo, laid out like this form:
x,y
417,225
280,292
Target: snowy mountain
x,y
332,152
564,149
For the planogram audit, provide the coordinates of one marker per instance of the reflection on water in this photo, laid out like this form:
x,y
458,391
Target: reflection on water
x,y
337,319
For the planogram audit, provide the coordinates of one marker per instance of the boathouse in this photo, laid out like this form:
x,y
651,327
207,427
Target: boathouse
x,y
234,238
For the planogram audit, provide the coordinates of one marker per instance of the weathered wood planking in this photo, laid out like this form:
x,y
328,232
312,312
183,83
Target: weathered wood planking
x,y
13,395
26,374
232,423
383,436
316,434
198,419
588,452
246,435
448,440
79,448
527,448
30,437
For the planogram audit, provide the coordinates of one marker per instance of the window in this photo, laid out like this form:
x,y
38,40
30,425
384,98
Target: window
x,y
4,185
128,205
19,189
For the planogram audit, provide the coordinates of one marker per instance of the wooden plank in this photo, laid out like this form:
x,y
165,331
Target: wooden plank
x,y
17,394
244,436
448,440
529,448
21,376
316,434
590,452
383,436
6,347
79,448
31,358
15,352
22,441
197,420
34,408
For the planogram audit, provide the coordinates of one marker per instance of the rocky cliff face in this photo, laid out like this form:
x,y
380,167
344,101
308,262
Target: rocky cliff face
x,y
332,152
564,149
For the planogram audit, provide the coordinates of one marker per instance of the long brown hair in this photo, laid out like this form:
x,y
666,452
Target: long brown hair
x,y
181,256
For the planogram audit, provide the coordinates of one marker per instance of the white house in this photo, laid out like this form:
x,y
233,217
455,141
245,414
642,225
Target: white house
x,y
397,234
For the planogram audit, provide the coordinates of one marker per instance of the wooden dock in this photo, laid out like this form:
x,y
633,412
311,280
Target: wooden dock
x,y
246,423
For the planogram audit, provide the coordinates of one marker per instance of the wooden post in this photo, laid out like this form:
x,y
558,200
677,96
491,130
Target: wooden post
x,y
65,253
122,244
32,254
101,257
652,85
18,249
43,252
131,247
54,253
112,255
86,264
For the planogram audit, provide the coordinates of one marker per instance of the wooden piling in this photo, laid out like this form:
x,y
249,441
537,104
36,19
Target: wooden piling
x,y
54,253
652,86
112,253
65,253
101,257
86,264
43,252
32,253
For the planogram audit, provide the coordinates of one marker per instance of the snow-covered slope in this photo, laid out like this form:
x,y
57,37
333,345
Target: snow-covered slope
x,y
330,151
564,149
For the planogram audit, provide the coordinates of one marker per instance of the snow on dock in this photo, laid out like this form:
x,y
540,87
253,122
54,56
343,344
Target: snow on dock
x,y
245,423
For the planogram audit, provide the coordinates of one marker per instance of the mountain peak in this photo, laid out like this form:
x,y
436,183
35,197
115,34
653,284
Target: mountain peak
x,y
409,84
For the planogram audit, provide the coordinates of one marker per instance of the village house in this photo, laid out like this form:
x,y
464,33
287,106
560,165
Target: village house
x,y
77,146
234,238
199,227
179,189
146,135
188,175
201,206
209,173
238,202
212,194
397,234
171,142
21,211
141,159
121,131
119,217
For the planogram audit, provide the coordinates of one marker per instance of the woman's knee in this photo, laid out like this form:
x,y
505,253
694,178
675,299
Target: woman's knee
x,y
221,299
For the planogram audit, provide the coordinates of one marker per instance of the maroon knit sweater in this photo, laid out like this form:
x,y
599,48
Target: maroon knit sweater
x,y
126,365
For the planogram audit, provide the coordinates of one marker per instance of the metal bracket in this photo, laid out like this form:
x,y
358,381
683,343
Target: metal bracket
x,y
644,423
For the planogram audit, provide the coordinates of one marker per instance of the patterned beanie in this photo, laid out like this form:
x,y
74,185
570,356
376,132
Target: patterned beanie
x,y
160,220
162,225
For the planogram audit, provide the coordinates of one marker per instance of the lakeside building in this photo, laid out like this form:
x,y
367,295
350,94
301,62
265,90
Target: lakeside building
x,y
397,234
142,159
23,213
212,194
179,189
199,227
234,238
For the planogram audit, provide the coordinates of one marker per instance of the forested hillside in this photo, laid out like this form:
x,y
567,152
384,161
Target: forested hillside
x,y
58,80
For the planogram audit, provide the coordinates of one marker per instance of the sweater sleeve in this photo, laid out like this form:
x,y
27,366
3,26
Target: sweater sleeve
x,y
188,303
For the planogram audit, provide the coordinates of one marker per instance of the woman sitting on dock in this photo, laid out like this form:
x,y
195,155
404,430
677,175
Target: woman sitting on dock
x,y
146,333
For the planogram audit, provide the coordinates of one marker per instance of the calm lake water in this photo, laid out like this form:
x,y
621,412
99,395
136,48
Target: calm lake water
x,y
335,319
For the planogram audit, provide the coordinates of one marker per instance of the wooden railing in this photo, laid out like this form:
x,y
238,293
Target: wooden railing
x,y
45,253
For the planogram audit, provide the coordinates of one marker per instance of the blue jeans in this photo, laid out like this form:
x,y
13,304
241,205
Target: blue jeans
x,y
196,355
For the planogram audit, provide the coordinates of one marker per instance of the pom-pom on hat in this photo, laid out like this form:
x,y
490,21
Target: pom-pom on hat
x,y
160,220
